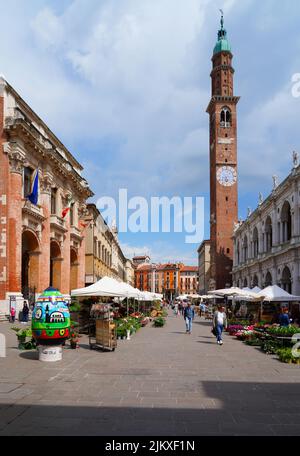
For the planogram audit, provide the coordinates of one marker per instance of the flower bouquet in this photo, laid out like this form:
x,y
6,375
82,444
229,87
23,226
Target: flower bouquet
x,y
234,329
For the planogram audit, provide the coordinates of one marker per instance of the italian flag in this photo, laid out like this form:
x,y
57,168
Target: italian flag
x,y
67,208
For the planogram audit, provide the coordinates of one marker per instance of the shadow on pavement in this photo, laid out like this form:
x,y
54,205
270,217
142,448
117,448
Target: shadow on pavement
x,y
228,408
33,355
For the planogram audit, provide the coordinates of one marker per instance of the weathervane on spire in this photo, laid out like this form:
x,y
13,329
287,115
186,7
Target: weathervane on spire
x,y
222,18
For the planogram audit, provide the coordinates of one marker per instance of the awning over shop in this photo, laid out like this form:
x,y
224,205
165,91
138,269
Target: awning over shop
x,y
106,287
274,293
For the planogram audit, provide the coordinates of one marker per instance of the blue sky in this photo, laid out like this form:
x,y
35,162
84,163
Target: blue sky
x,y
125,85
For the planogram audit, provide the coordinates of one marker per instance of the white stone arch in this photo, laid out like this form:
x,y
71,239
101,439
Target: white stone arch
x,y
255,242
286,221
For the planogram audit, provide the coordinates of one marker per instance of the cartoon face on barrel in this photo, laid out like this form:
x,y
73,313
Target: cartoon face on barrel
x,y
51,318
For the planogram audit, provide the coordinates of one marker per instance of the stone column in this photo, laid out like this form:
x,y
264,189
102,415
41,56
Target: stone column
x,y
66,254
16,161
45,202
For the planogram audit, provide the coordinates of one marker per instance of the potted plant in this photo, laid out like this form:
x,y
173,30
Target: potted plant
x,y
74,338
22,335
159,322
74,335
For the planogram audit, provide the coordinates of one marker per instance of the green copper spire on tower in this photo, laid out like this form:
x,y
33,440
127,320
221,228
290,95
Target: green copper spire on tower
x,y
222,44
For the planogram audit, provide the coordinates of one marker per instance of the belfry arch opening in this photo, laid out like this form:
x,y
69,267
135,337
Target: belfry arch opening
x,y
225,117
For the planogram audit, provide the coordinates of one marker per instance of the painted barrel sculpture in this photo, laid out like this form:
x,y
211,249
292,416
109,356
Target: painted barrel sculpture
x,y
51,318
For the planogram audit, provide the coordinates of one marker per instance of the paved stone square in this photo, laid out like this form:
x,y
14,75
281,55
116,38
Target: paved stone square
x,y
162,382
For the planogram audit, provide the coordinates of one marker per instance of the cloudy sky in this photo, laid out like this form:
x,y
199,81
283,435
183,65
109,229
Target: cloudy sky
x,y
125,85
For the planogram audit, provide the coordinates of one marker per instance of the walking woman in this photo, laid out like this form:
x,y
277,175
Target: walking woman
x,y
219,323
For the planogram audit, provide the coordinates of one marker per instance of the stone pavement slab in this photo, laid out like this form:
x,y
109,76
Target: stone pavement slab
x,y
162,382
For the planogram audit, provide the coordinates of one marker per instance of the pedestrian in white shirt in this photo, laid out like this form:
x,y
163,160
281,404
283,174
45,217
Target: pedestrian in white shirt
x,y
219,323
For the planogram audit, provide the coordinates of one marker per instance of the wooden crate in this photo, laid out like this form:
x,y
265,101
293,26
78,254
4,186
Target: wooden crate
x,y
105,332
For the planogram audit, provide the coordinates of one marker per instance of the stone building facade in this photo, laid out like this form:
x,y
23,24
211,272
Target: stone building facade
x,y
38,247
204,268
169,279
267,244
189,280
104,256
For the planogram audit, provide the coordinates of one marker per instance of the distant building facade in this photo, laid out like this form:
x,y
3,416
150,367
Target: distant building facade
x,y
169,279
104,256
137,260
267,244
189,280
204,265
38,246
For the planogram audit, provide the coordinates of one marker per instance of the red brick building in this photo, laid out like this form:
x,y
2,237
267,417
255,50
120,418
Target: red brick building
x,y
38,247
222,111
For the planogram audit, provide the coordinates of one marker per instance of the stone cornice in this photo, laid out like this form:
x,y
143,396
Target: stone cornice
x,y
221,99
19,127
34,211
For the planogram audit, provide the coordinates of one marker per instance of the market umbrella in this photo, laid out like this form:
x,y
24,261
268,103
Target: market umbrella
x,y
274,293
106,287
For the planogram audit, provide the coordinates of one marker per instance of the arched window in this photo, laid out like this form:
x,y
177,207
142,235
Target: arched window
x,y
269,280
255,281
286,280
255,243
245,249
238,253
225,117
286,222
269,234
245,283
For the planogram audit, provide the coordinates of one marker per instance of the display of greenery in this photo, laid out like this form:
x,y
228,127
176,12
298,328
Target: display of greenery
x,y
286,356
128,324
284,331
22,335
270,346
254,342
236,322
75,307
159,322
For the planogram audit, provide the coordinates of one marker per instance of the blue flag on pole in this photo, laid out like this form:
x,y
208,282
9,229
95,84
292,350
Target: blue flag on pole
x,y
34,195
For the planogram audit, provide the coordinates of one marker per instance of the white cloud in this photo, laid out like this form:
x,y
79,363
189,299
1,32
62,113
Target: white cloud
x,y
162,252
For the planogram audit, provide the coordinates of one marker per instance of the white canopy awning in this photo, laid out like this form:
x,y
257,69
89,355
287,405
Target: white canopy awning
x,y
227,292
107,287
274,293
182,297
237,294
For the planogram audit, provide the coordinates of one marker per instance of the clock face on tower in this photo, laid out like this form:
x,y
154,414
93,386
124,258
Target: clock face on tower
x,y
227,176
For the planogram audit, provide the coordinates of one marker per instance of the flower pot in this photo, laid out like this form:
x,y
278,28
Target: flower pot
x,y
128,335
73,345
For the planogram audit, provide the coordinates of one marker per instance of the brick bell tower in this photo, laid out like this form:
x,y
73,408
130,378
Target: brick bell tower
x,y
223,163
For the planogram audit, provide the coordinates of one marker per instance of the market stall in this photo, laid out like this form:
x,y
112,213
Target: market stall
x,y
273,299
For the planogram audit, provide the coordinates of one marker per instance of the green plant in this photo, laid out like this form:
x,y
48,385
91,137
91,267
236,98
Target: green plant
x,y
286,356
75,307
285,331
159,322
22,334
270,346
254,342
